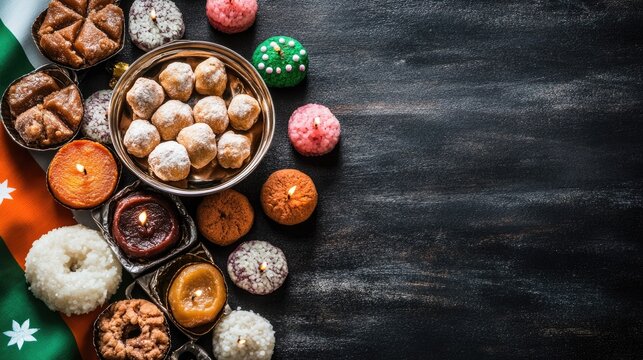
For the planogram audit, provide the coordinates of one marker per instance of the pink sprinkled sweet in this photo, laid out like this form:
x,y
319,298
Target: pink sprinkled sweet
x,y
231,16
313,130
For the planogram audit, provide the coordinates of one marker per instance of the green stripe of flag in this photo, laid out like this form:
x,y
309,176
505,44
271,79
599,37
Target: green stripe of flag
x,y
53,338
13,61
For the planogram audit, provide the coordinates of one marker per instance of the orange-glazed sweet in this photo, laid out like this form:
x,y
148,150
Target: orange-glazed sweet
x,y
289,196
197,295
83,174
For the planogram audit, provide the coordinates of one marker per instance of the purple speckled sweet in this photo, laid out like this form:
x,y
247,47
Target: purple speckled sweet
x,y
94,125
258,267
153,23
313,130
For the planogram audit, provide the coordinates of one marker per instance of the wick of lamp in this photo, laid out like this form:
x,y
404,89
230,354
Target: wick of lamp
x,y
142,218
291,191
153,15
316,122
81,169
263,266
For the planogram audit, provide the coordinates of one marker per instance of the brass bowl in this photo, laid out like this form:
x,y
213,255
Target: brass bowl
x,y
242,78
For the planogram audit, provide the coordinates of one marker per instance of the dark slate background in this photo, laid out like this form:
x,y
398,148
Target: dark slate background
x,y
485,199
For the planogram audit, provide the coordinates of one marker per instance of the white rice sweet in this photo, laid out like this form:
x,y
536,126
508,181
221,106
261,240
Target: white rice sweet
x,y
72,270
243,335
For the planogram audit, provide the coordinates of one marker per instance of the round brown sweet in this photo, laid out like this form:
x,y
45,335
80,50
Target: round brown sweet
x,y
285,208
178,81
225,217
121,320
211,110
141,138
171,117
170,161
232,150
211,77
145,97
200,142
243,111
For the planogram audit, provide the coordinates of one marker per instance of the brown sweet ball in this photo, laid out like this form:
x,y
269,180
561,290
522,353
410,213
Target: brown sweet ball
x,y
178,81
243,111
211,78
289,196
200,142
145,97
211,110
171,117
225,217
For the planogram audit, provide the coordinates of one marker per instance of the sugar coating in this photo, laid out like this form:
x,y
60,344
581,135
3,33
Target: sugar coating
x,y
178,80
141,138
311,141
211,110
231,16
258,267
72,270
243,111
233,149
257,334
153,23
170,161
200,142
171,117
95,125
210,77
145,97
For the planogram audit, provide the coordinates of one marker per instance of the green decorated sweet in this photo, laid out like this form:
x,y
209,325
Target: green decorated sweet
x,y
281,61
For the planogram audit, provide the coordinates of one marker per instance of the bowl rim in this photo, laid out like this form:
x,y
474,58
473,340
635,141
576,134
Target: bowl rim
x,y
157,55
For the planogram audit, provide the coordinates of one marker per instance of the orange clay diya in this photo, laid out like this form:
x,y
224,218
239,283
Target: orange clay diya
x,y
197,295
83,174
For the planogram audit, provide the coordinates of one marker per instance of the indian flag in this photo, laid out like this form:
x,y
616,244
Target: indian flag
x,y
28,329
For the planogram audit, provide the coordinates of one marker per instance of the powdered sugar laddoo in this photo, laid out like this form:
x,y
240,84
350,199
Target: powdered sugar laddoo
x,y
171,117
243,111
145,97
231,16
94,125
258,267
233,149
170,161
210,77
211,110
72,270
153,23
243,335
141,138
313,130
200,142
178,80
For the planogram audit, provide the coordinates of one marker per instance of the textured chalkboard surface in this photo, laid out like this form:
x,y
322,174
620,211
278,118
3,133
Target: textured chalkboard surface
x,y
485,200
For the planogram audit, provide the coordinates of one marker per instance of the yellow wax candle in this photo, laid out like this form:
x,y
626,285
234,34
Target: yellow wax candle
x,y
197,295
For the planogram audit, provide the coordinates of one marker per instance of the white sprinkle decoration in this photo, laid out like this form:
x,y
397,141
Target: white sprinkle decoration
x,y
265,57
273,44
282,40
302,67
302,52
295,58
261,66
291,43
289,68
269,70
278,70
263,49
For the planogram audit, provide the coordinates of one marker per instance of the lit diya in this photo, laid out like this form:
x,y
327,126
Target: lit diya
x,y
145,225
197,295
258,267
289,196
83,174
